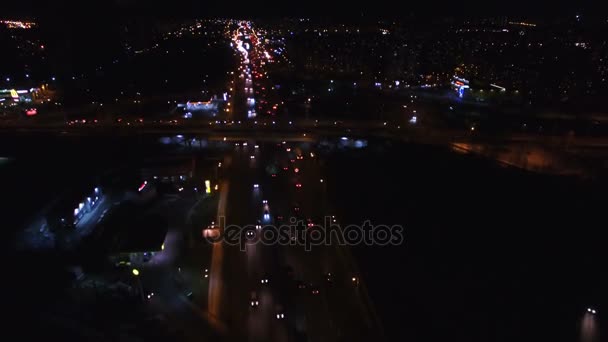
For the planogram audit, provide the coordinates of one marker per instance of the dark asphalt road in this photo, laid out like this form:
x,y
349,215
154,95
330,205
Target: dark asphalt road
x,y
339,311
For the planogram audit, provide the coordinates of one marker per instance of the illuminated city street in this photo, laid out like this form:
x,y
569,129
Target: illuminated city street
x,y
304,172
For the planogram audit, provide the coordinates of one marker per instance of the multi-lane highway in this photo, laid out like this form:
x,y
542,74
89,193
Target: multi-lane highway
x,y
278,292
254,288
250,74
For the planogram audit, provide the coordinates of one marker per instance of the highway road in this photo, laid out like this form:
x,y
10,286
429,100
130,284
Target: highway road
x,y
248,80
264,291
312,292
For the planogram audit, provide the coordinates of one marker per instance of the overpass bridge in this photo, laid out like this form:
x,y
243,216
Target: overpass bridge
x,y
306,131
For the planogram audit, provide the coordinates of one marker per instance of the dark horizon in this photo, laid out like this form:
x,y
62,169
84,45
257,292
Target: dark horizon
x,y
182,9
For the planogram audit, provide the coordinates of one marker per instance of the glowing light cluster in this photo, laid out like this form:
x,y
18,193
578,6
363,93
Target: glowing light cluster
x,y
16,24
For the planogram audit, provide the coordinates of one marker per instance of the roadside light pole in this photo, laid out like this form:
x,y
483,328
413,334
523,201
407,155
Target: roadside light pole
x,y
135,272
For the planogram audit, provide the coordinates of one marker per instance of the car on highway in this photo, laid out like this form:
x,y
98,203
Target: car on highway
x,y
300,285
254,302
211,231
266,211
280,314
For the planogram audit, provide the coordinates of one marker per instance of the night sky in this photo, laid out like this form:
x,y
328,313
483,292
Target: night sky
x,y
315,8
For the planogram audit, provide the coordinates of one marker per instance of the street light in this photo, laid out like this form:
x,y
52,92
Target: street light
x,y
135,272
